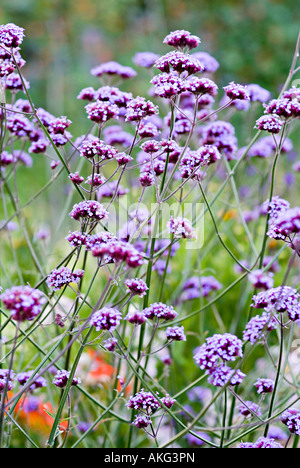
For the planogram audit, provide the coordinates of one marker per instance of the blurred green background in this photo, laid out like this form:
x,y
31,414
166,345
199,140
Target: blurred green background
x,y
253,40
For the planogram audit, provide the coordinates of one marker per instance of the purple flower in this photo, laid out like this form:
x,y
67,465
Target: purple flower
x,y
178,62
209,63
119,251
23,378
113,68
200,86
160,311
6,380
76,178
264,385
222,375
168,85
144,401
260,280
101,111
257,326
11,35
175,334
136,286
291,419
269,123
226,347
283,107
63,276
62,377
24,302
244,409
236,91
281,299
136,317
262,442
145,59
142,421
88,209
257,93
106,318
182,228
181,39
87,94
110,344
77,238
138,109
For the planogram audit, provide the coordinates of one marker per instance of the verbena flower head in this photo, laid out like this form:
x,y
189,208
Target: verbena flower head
x,y
11,35
222,375
101,111
209,63
167,85
6,380
269,123
136,286
261,280
182,228
225,347
38,382
119,251
136,317
160,311
63,276
258,326
141,421
291,419
264,385
107,318
262,442
281,299
24,302
200,86
145,59
178,62
61,379
274,207
145,402
181,39
283,107
110,344
175,334
88,209
236,91
138,109
113,69
249,408
257,93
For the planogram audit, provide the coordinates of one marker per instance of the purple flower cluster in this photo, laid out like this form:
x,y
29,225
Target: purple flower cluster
x,y
281,299
262,442
63,276
39,382
113,69
107,318
61,379
175,334
264,385
11,36
222,348
160,311
119,251
24,302
147,404
182,228
136,286
258,326
181,39
7,378
291,419
196,287
88,210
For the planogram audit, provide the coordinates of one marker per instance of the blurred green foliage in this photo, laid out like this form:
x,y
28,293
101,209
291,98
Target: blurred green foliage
x,y
253,40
